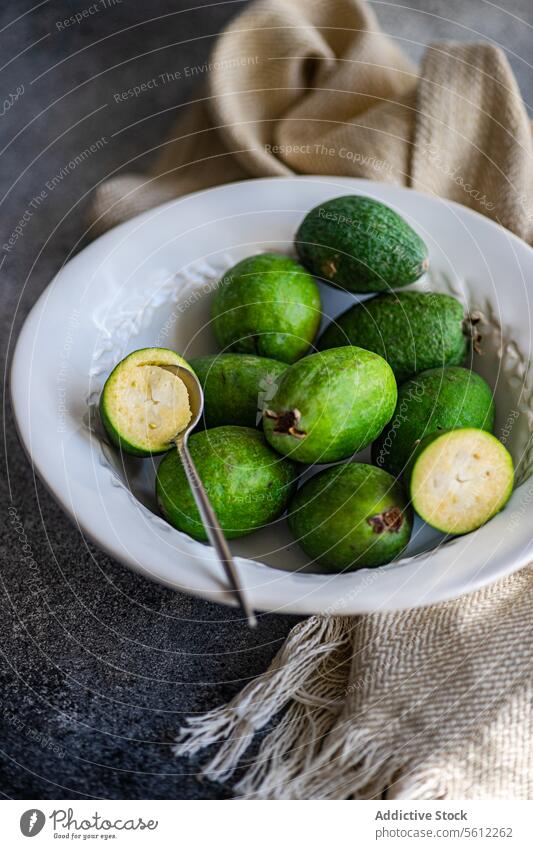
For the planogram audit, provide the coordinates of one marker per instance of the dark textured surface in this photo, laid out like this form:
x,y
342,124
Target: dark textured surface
x,y
99,665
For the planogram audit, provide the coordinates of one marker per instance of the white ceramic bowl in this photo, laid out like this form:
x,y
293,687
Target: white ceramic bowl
x,y
148,282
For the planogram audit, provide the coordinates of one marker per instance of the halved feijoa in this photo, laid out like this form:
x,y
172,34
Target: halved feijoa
x,y
459,479
142,405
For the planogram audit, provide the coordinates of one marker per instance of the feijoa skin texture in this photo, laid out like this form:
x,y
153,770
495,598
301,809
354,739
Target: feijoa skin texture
x,y
437,399
361,245
267,305
115,405
351,516
248,484
236,387
413,331
330,405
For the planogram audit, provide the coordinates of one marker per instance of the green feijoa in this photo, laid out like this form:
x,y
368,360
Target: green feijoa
x,y
143,405
361,245
330,405
413,331
437,399
248,484
350,516
267,305
237,387
459,479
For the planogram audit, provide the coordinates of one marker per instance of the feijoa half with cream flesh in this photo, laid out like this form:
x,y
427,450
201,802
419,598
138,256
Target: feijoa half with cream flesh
x,y
351,516
459,479
330,405
143,405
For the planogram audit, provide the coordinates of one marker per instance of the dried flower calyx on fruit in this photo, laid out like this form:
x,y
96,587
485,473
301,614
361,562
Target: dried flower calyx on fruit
x,y
286,422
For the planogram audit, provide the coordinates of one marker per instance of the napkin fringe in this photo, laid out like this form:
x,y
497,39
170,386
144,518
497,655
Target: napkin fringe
x,y
309,754
296,765
310,672
334,766
312,752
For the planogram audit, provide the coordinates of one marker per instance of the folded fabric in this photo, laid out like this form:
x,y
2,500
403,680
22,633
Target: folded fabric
x,y
434,703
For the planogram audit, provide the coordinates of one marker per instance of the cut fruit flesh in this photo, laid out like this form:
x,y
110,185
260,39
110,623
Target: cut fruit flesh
x,y
144,405
460,479
151,405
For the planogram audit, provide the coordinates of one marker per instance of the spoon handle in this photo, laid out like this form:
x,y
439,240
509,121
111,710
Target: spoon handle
x,y
213,529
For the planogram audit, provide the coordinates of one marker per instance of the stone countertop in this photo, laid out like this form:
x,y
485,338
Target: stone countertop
x,y
100,666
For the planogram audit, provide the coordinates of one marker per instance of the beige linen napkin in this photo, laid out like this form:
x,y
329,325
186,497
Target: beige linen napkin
x,y
429,703
314,87
434,703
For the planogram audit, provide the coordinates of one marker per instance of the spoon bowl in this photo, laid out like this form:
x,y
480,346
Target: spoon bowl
x,y
195,393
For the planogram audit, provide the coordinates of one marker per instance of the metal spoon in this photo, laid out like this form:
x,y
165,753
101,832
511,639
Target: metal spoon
x,y
208,515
